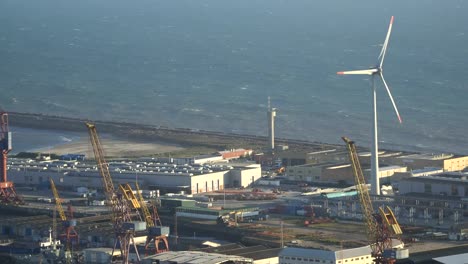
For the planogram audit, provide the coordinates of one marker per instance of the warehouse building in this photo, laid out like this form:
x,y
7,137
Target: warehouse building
x,y
333,173
448,162
180,257
169,177
361,255
443,184
328,155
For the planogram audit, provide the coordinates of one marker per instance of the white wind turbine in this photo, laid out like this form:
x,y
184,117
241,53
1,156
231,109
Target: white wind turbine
x,y
377,70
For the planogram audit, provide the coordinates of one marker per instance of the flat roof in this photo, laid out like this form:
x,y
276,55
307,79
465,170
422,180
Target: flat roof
x,y
427,156
391,167
453,259
326,254
195,257
441,178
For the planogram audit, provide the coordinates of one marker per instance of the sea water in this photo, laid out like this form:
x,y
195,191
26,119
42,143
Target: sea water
x,y
211,64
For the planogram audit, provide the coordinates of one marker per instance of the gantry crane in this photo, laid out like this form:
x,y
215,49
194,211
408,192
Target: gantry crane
x,y
70,236
7,189
381,227
124,228
157,233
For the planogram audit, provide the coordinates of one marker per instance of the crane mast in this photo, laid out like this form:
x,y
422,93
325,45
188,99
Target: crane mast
x,y
124,228
364,196
7,189
381,226
69,235
58,201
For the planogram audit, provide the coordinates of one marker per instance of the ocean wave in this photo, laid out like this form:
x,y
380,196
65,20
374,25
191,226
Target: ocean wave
x,y
65,139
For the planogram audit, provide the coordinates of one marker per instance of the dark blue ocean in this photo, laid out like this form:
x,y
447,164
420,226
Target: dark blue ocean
x,y
211,64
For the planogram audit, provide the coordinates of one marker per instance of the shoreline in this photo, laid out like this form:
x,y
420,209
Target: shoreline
x,y
183,137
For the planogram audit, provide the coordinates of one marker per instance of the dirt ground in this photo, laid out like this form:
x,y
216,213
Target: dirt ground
x,y
114,148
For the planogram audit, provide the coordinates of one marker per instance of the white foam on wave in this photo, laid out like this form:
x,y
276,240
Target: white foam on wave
x,y
192,110
65,139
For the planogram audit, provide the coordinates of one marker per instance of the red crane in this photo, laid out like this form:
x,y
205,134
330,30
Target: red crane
x,y
7,188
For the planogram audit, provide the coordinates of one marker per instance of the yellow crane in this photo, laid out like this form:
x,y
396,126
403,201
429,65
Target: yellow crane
x,y
124,227
381,227
69,235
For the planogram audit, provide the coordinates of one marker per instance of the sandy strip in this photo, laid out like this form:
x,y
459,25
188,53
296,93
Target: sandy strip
x,y
113,148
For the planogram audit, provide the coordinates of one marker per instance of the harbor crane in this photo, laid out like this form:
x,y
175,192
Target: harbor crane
x,y
381,227
8,194
123,226
156,240
69,235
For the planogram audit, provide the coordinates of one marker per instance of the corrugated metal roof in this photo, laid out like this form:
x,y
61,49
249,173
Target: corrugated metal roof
x,y
326,254
195,257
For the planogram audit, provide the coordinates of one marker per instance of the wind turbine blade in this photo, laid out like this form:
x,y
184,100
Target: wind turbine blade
x,y
384,46
391,97
361,72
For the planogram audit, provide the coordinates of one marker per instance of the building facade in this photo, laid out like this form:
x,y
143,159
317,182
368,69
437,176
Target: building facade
x,y
291,255
171,177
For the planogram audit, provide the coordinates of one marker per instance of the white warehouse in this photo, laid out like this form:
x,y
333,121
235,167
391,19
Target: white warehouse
x,y
152,175
361,255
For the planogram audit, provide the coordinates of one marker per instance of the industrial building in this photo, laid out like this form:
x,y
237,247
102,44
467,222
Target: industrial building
x,y
443,184
335,173
448,162
260,254
325,155
194,257
361,255
193,179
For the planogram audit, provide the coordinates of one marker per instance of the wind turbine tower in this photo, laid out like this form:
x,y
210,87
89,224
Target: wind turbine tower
x,y
373,71
271,126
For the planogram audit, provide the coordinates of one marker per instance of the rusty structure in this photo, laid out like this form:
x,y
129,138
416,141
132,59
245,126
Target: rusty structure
x,y
8,194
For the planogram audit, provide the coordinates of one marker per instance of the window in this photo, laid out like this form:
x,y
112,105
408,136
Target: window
x,y
299,259
427,188
293,258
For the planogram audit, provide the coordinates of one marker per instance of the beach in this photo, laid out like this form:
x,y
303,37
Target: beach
x,y
117,148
